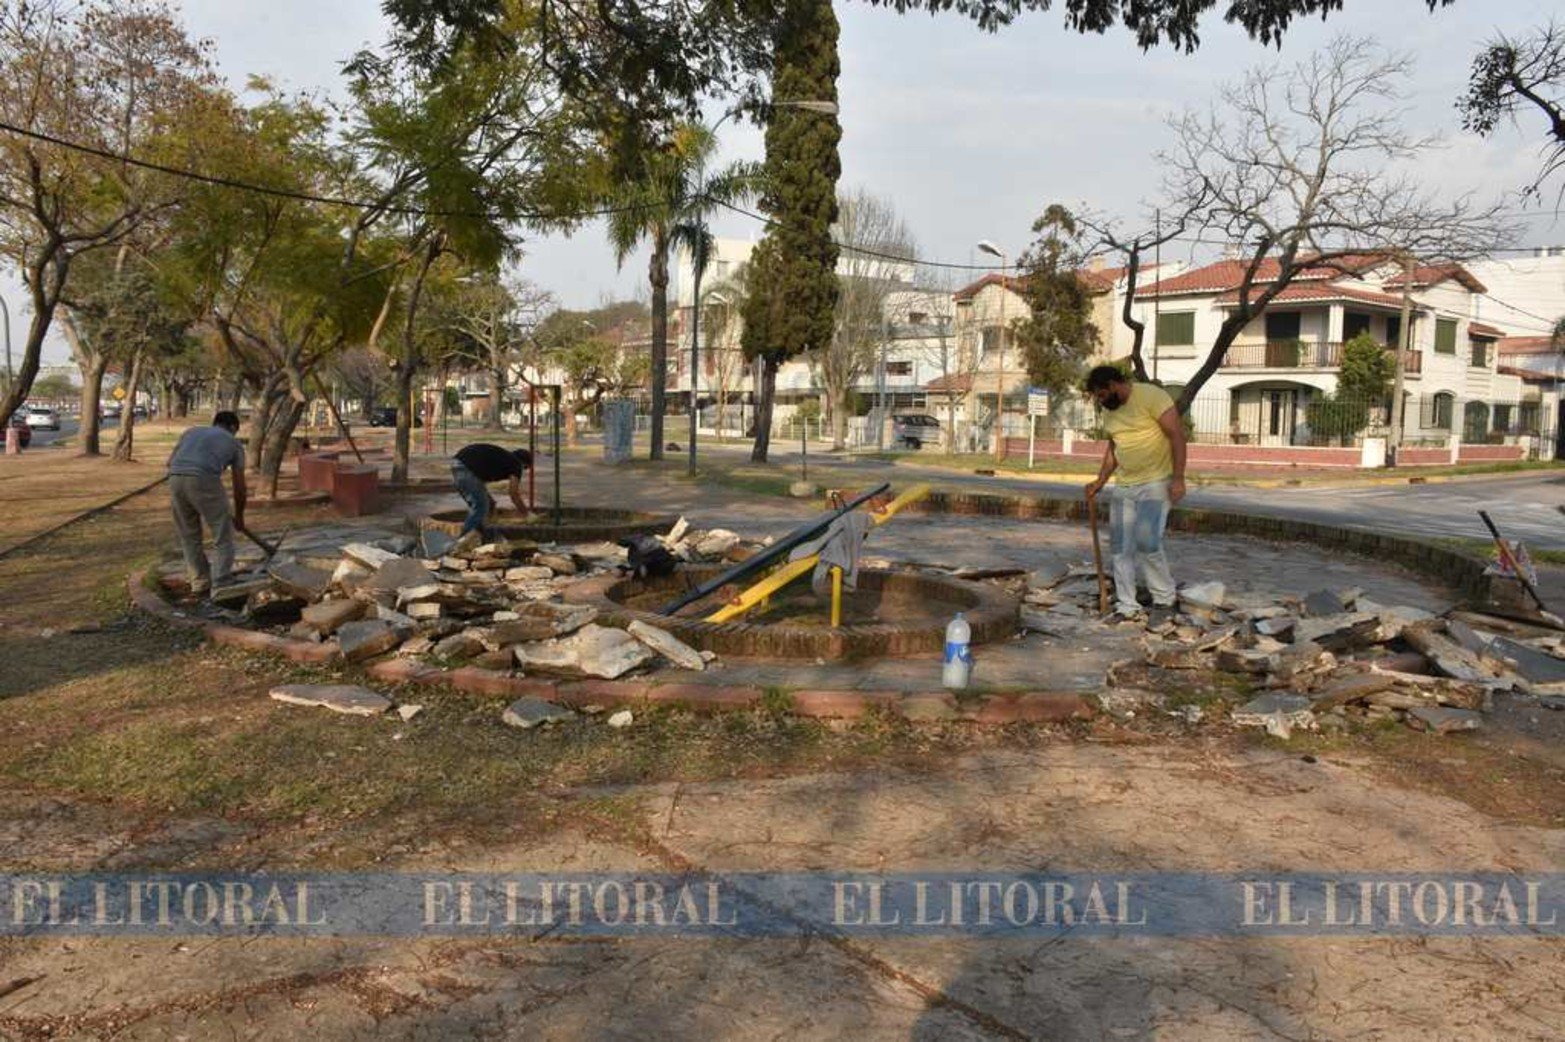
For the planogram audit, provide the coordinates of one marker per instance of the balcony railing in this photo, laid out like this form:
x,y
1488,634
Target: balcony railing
x,y
1301,354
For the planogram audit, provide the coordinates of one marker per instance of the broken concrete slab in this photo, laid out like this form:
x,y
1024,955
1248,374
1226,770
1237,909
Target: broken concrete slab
x,y
305,584
594,651
530,712
327,616
339,698
409,710
1544,674
1209,595
1279,626
528,573
367,556
424,611
433,543
455,564
559,564
236,594
421,645
622,718
716,542
1278,713
1323,603
1446,655
1246,660
367,638
1348,689
1444,721
667,645
459,646
397,573
1341,631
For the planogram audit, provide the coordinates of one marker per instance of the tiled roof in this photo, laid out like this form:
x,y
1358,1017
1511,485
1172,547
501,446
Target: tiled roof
x,y
1314,291
1482,330
959,382
1526,345
1228,274
1531,375
1433,274
1097,280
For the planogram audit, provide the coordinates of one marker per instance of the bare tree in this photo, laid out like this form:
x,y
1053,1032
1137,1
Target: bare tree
x,y
497,318
878,256
1297,167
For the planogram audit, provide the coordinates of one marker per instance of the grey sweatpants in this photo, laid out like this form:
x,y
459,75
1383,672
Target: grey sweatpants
x,y
197,498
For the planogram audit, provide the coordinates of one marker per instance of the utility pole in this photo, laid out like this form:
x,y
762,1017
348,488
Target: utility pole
x,y
880,390
1404,339
999,375
1157,270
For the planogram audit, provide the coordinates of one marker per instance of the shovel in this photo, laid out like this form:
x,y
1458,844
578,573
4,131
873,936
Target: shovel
x,y
1097,554
269,549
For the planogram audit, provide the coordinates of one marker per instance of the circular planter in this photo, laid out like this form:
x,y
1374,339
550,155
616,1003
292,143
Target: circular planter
x,y
926,601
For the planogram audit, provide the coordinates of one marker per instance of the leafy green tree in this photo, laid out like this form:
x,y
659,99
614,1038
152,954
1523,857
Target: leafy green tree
x,y
792,301
1368,370
1058,334
53,386
116,76
667,205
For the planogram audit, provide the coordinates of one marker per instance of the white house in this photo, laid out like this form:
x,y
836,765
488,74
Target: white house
x,y
1290,355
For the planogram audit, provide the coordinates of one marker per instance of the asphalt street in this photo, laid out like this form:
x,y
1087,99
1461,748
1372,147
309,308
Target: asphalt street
x,y
1524,507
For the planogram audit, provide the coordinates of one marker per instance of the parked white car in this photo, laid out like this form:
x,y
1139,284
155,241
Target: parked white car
x,y
43,418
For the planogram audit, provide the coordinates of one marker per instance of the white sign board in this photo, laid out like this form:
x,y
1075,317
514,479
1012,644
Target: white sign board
x,y
1037,402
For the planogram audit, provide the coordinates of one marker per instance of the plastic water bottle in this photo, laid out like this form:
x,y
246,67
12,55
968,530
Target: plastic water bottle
x,y
959,656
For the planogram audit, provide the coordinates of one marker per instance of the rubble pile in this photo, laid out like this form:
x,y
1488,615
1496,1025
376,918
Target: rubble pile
x,y
1326,658
495,605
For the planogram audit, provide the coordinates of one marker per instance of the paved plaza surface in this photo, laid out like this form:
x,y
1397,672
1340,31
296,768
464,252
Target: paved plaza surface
x,y
134,748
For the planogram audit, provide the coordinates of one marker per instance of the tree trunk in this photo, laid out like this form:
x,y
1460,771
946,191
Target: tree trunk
x,y
763,411
1137,328
496,397
124,445
285,419
408,369
45,279
839,422
260,420
659,375
235,393
92,400
570,422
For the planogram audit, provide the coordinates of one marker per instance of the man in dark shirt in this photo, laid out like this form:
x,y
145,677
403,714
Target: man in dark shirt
x,y
475,466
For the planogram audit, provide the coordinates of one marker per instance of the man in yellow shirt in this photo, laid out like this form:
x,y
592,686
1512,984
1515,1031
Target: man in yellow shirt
x,y
1147,450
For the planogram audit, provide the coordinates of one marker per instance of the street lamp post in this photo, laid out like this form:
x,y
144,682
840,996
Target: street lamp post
x,y
988,247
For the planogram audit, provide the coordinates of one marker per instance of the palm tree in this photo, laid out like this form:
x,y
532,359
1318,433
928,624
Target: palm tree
x,y
668,206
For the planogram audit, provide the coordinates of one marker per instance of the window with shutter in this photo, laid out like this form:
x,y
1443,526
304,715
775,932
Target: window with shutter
x,y
1176,329
1445,336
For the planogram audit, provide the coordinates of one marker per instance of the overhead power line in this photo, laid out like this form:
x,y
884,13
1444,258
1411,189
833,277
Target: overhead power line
x,y
294,194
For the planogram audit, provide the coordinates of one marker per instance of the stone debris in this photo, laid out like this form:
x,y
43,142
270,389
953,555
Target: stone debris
x,y
368,638
593,651
397,573
307,584
368,557
667,645
339,698
327,616
530,712
1203,595
409,711
622,718
1443,721
1278,713
273,607
1324,602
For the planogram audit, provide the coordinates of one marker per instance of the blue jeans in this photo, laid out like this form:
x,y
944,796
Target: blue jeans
x,y
475,495
1139,517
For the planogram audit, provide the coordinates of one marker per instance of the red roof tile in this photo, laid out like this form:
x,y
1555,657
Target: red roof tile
x,y
1228,274
1528,374
1313,291
1526,345
1097,280
1434,274
1481,330
960,382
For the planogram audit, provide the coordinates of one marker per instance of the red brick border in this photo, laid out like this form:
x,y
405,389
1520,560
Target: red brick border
x,y
707,698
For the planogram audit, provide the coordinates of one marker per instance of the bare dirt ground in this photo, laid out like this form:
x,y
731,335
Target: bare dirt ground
x,y
131,747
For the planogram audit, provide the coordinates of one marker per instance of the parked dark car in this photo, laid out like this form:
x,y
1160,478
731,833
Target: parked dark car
x,y
387,417
18,425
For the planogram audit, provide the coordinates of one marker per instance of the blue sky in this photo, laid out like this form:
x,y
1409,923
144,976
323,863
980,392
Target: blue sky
x,y
970,134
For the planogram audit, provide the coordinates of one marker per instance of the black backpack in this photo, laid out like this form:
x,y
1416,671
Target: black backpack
x,y
647,557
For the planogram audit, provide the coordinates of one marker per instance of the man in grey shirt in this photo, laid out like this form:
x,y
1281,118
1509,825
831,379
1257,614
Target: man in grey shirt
x,y
195,483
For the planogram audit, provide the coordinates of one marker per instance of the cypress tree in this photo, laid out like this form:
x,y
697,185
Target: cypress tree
x,y
793,280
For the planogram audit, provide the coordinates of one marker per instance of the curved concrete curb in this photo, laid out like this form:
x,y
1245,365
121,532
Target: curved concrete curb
x,y
1028,707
